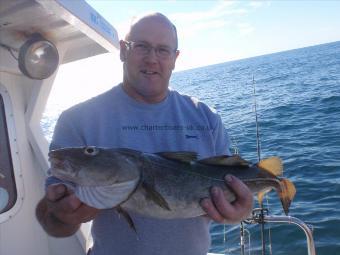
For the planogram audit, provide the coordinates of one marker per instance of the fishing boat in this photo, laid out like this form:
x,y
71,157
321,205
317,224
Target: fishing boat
x,y
36,38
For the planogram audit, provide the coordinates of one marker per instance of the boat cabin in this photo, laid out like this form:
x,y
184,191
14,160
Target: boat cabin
x,y
36,38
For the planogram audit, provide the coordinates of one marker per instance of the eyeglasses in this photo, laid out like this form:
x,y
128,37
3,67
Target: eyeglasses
x,y
143,48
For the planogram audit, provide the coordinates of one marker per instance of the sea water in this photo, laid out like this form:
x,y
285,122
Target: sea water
x,y
298,108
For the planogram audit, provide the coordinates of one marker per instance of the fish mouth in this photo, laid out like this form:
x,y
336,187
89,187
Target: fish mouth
x,y
56,163
61,169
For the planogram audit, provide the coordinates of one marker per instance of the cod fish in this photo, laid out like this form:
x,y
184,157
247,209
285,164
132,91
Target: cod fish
x,y
162,185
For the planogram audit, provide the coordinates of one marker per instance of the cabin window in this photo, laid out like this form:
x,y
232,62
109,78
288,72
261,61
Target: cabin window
x,y
8,192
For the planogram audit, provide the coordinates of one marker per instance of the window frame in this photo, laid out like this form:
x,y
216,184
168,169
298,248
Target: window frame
x,y
12,141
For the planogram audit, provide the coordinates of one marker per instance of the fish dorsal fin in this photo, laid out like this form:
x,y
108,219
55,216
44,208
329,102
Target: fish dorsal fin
x,y
272,165
225,160
182,156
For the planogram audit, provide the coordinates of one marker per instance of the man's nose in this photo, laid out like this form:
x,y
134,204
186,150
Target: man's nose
x,y
152,54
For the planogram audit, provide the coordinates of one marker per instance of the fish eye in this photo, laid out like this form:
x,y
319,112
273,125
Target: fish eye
x,y
91,151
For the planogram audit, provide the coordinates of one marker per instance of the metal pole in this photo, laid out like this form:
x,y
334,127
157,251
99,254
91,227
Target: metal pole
x,y
298,222
290,220
242,238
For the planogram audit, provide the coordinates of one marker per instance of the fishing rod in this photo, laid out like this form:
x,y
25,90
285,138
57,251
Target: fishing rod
x,y
261,209
258,148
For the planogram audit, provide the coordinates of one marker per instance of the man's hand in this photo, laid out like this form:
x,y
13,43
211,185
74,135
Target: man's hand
x,y
220,210
61,213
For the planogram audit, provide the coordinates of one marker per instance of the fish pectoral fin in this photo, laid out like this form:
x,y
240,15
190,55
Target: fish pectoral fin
x,y
182,156
286,194
272,165
155,196
225,160
127,217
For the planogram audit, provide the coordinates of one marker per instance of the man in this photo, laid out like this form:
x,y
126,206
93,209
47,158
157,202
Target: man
x,y
143,114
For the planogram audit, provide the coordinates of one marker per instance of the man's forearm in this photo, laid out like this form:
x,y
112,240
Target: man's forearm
x,y
51,224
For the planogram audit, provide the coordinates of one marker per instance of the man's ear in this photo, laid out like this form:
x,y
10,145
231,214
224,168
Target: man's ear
x,y
177,53
176,56
123,51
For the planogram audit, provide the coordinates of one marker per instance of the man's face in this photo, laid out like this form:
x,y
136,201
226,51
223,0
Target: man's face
x,y
146,76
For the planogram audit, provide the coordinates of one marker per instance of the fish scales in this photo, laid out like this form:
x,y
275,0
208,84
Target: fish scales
x,y
181,191
162,185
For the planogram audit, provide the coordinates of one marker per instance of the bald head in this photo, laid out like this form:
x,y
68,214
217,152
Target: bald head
x,y
152,17
149,55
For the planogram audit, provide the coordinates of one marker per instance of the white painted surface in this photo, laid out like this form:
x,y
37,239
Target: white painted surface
x,y
25,100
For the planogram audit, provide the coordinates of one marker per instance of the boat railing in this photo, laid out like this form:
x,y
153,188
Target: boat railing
x,y
259,217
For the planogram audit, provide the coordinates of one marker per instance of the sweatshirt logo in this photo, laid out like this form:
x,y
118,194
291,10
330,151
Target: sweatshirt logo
x,y
191,136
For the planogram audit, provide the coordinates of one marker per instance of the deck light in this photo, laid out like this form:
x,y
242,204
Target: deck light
x,y
38,58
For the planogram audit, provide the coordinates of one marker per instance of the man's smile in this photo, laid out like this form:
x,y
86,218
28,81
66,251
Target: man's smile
x,y
149,72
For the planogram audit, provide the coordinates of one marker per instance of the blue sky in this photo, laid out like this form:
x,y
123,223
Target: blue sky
x,y
210,32
218,31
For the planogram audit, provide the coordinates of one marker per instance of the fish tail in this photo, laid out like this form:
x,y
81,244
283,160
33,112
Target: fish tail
x,y
286,192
